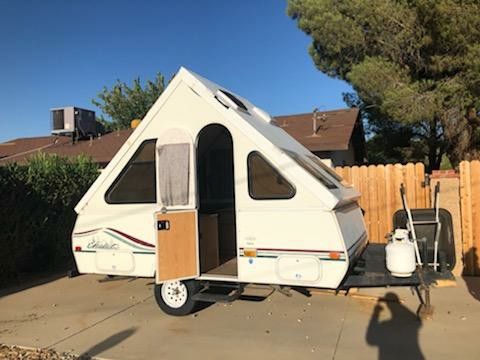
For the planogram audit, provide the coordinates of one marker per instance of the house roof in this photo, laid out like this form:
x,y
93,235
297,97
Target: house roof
x,y
23,146
333,131
101,149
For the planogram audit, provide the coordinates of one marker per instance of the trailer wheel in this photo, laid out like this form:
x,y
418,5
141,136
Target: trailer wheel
x,y
175,297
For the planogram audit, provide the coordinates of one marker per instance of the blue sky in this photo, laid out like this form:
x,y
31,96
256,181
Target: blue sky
x,y
60,53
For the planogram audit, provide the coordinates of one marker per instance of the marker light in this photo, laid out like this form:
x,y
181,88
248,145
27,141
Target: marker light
x,y
334,255
250,252
78,248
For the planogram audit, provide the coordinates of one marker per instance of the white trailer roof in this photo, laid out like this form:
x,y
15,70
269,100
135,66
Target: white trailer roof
x,y
252,121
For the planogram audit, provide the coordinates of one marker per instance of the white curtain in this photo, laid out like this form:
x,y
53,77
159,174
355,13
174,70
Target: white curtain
x,y
174,171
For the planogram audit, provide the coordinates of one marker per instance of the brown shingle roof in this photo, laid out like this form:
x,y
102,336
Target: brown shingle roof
x,y
334,128
22,147
334,131
101,149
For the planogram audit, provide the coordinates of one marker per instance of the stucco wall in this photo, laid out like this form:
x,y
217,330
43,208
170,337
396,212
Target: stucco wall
x,y
338,157
450,200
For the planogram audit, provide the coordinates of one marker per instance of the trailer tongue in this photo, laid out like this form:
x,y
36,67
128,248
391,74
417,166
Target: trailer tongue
x,y
434,254
370,271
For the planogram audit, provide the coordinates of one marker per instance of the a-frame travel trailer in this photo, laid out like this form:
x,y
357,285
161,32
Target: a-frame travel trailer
x,y
209,190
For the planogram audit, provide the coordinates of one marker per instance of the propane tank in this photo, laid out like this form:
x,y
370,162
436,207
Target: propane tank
x,y
400,254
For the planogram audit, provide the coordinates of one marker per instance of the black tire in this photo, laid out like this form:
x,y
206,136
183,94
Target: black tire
x,y
192,287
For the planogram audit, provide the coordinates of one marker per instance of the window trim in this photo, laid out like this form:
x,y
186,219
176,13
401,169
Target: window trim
x,y
249,180
330,171
124,170
322,179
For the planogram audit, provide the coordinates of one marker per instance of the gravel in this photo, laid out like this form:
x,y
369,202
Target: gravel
x,y
19,353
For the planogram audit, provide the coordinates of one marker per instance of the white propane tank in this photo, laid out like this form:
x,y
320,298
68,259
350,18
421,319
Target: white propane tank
x,y
400,254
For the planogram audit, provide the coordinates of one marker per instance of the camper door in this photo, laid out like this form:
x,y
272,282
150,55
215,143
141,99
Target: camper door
x,y
176,223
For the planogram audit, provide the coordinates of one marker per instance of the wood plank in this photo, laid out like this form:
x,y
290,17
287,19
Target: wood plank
x,y
177,247
420,201
461,181
382,203
373,203
355,173
410,184
390,194
346,174
475,196
399,179
364,200
339,170
466,215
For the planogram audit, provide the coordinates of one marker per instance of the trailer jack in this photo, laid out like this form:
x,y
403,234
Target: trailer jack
x,y
425,310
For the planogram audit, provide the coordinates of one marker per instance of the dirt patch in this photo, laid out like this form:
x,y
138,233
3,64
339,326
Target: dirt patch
x,y
26,318
16,352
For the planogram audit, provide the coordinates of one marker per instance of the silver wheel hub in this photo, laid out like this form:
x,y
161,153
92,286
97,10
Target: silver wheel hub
x,y
174,294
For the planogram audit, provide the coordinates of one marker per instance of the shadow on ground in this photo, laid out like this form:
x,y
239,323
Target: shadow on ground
x,y
397,336
472,280
26,282
108,343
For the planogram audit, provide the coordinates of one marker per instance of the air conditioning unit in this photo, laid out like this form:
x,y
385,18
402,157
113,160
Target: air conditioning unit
x,y
74,121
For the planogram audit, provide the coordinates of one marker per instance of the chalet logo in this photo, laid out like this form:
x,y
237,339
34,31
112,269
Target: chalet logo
x,y
102,244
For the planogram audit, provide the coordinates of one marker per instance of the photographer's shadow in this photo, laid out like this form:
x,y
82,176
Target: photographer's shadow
x,y
397,337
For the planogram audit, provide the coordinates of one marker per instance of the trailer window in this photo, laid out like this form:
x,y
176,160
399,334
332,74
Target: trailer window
x,y
311,167
264,181
136,182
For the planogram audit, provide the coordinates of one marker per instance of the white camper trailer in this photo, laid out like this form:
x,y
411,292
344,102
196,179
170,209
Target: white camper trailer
x,y
209,190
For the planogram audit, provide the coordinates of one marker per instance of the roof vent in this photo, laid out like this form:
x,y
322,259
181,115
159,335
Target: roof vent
x,y
262,114
230,101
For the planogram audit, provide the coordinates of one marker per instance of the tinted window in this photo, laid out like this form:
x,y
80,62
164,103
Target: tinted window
x,y
311,167
136,183
265,182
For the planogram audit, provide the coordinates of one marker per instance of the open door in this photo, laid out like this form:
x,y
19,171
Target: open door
x,y
176,223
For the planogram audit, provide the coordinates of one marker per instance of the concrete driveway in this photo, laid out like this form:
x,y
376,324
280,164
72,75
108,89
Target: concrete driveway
x,y
120,320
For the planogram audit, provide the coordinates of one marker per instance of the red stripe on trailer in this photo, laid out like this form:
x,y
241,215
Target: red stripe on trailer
x,y
129,237
85,232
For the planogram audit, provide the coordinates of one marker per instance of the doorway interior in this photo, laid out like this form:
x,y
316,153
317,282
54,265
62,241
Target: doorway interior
x,y
216,189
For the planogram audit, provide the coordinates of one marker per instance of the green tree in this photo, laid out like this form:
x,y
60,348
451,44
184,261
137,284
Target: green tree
x,y
389,141
121,104
413,61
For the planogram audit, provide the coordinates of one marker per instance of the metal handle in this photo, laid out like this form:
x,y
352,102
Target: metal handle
x,y
163,225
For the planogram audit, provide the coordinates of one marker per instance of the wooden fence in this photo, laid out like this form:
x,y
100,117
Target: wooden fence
x,y
380,188
470,215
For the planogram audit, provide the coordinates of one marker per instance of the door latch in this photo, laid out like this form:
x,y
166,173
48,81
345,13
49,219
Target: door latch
x,y
163,225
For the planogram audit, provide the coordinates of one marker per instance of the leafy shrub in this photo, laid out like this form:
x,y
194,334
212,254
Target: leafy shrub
x,y
36,213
